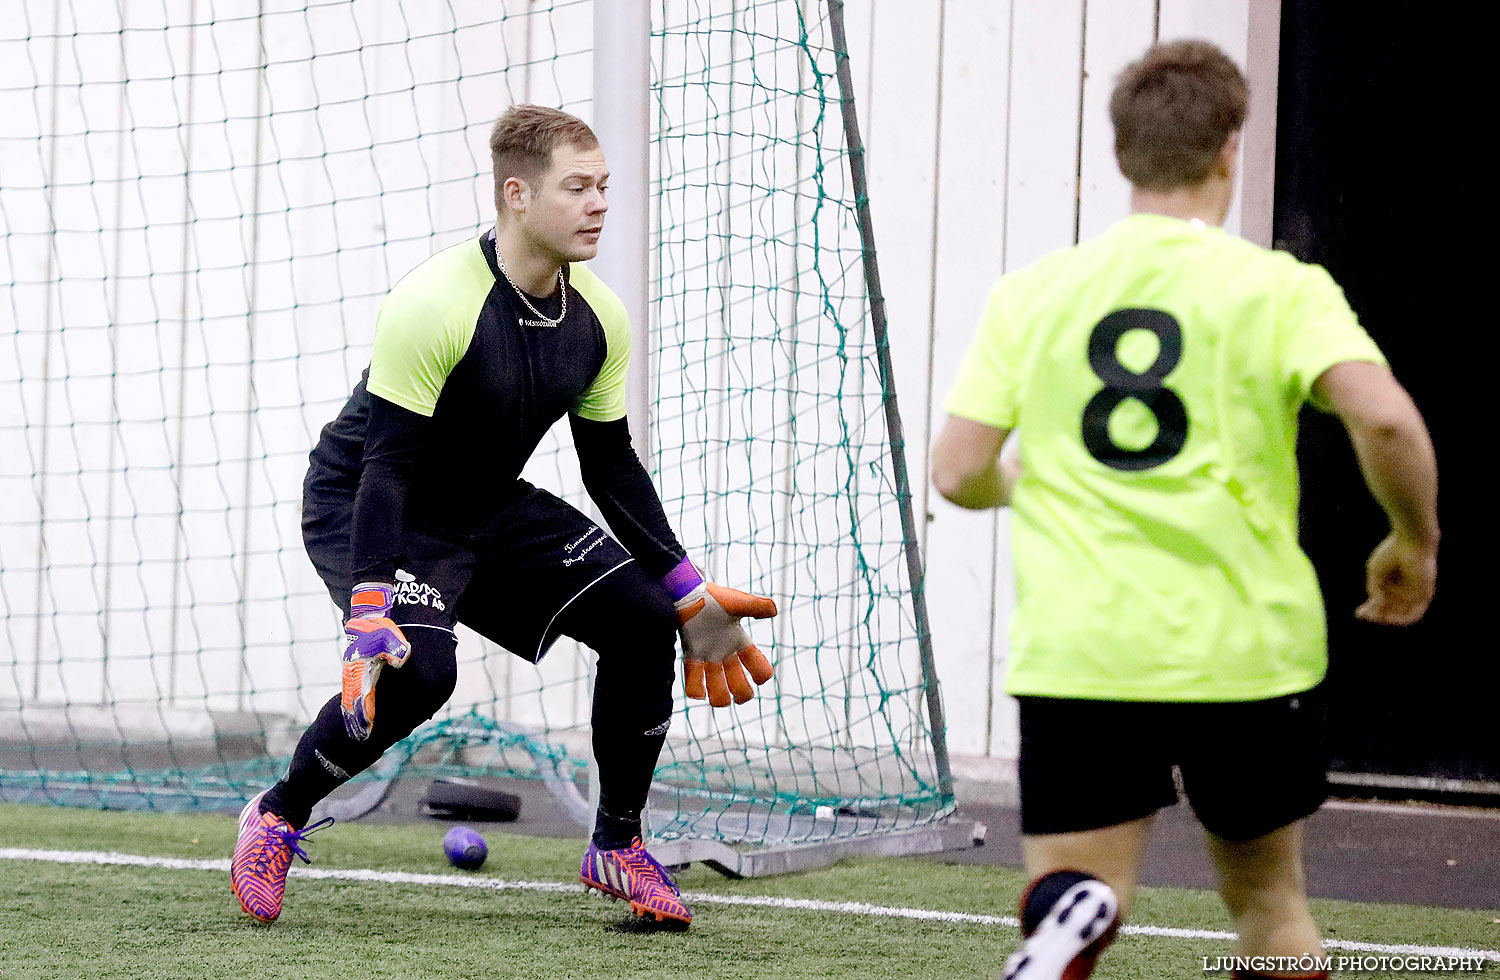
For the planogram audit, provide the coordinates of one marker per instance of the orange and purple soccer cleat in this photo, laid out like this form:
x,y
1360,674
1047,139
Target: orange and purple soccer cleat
x,y
262,856
634,875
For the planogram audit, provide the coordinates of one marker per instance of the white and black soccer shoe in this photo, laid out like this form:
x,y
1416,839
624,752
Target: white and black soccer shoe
x,y
1066,943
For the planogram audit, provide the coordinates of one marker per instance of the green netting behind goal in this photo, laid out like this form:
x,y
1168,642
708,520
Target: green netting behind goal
x,y
202,204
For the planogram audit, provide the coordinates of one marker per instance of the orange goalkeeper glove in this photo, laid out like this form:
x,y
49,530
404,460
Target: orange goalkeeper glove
x,y
716,650
374,641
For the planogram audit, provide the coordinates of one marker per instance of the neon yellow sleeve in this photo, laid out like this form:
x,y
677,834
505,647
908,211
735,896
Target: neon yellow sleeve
x,y
604,399
1321,331
415,349
987,388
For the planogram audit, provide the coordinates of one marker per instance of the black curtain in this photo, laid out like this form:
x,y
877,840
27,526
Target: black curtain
x,y
1381,178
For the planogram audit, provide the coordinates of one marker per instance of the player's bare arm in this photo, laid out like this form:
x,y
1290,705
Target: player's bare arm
x,y
1396,456
967,464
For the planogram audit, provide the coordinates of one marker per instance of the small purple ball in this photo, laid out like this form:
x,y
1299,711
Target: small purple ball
x,y
465,848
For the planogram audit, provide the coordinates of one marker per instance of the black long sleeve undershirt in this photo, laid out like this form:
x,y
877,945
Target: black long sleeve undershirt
x,y
393,440
612,475
621,488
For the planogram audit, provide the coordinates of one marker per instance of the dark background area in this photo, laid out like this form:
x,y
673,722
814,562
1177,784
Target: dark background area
x,y
1379,178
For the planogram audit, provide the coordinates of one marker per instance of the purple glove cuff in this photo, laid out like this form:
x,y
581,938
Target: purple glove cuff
x,y
682,580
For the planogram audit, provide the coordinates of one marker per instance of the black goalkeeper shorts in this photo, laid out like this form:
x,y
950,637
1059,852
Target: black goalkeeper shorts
x,y
509,584
1247,768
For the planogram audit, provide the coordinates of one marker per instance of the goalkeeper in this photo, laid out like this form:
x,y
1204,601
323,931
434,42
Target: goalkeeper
x,y
416,518
1166,615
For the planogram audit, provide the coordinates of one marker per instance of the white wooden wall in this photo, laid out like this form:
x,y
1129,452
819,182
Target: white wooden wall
x,y
988,146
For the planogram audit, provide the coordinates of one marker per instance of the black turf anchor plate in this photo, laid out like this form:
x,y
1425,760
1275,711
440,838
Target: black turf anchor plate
x,y
466,799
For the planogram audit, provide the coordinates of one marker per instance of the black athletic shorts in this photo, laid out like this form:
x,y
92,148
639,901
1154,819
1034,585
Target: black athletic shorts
x,y
509,584
1247,768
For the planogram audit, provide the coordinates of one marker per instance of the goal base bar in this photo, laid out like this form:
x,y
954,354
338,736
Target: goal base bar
x,y
759,863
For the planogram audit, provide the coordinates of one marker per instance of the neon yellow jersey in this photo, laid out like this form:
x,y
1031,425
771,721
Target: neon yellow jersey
x,y
1155,374
604,401
424,326
427,323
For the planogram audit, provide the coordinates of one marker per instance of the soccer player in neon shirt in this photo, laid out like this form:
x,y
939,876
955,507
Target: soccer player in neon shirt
x,y
416,518
1166,615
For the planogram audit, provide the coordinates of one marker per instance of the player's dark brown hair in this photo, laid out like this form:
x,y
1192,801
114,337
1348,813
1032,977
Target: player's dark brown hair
x,y
522,141
1173,110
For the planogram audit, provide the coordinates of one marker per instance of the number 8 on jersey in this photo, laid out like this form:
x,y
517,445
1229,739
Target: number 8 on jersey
x,y
1121,384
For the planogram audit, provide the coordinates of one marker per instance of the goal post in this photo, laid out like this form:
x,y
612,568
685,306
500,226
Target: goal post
x,y
622,121
201,214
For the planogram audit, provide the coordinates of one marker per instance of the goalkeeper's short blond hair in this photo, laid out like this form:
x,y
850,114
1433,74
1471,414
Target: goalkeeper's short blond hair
x,y
522,141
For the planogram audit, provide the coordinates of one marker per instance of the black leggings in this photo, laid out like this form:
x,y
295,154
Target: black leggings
x,y
625,617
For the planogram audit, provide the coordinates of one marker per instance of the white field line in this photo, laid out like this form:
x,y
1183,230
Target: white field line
x,y
1414,810
701,898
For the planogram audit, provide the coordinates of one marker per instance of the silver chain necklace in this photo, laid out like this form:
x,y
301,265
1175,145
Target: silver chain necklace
x,y
561,285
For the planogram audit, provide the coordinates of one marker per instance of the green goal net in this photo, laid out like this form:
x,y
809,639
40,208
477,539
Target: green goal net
x,y
201,205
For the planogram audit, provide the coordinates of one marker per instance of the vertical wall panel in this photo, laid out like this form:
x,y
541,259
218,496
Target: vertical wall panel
x,y
960,545
900,124
1225,23
1258,158
1041,217
1042,177
1117,33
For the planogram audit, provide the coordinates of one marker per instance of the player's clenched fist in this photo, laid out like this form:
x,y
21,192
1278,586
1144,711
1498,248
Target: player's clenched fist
x,y
1401,577
715,647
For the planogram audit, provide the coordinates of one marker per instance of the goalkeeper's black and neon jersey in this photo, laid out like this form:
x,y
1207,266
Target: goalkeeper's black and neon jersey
x,y
464,381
